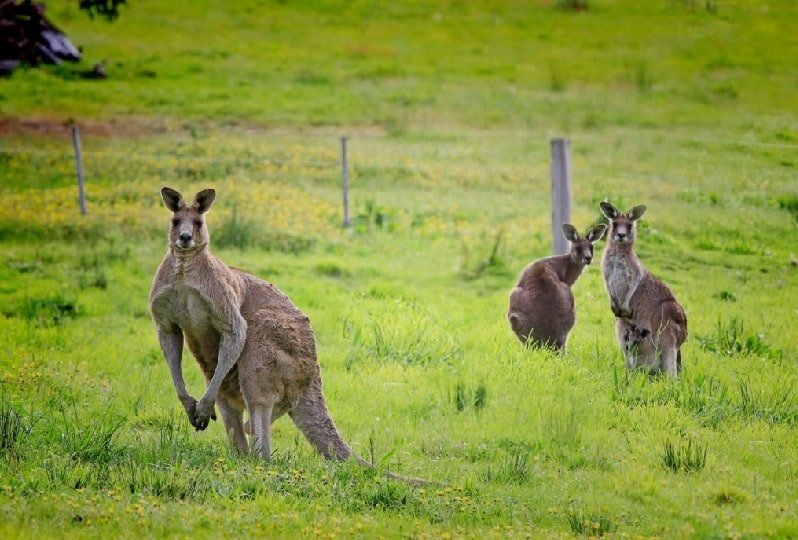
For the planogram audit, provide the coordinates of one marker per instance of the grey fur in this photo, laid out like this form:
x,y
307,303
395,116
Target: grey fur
x,y
638,298
254,346
638,346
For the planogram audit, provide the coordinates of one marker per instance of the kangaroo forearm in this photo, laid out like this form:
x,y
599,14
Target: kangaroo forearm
x,y
230,349
172,347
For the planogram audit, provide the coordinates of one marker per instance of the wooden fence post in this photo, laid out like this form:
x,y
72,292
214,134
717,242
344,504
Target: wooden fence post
x,y
345,181
79,168
560,192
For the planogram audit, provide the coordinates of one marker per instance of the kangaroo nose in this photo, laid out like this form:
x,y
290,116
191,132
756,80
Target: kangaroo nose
x,y
588,258
185,237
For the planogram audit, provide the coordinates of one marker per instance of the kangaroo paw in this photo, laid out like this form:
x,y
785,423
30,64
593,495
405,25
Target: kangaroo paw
x,y
203,413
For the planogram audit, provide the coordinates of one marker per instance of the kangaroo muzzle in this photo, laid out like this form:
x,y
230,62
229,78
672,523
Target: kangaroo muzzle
x,y
185,240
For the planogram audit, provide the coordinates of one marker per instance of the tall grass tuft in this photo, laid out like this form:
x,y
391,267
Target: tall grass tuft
x,y
236,231
642,78
790,204
464,397
710,6
706,398
730,339
474,265
514,465
11,427
480,396
243,233
93,443
589,523
388,495
688,458
573,5
61,471
52,310
93,272
374,216
779,406
557,82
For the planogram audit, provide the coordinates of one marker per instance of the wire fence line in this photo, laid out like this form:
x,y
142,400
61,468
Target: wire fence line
x,y
560,201
35,150
331,164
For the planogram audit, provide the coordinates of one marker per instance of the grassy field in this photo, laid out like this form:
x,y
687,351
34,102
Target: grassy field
x,y
686,106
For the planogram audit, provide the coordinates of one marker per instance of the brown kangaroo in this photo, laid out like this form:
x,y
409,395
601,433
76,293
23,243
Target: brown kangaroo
x,y
254,346
637,298
541,304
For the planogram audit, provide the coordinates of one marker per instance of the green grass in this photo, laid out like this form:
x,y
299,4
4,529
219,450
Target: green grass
x,y
684,458
687,107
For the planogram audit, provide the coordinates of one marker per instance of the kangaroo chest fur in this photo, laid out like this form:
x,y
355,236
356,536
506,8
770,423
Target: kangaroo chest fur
x,y
622,275
189,310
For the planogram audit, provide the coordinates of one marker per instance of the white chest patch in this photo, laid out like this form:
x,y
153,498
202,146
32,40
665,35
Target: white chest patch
x,y
191,312
621,278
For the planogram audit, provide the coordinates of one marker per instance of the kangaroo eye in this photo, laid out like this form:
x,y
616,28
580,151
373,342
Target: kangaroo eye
x,y
198,224
175,222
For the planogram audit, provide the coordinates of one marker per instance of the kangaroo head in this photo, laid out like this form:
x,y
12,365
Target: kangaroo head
x,y
188,229
634,336
622,226
582,247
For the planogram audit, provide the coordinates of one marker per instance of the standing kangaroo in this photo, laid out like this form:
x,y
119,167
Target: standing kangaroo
x,y
254,346
637,298
541,304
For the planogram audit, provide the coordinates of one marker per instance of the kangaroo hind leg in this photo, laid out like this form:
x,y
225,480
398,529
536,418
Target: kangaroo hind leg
x,y
260,423
670,357
232,419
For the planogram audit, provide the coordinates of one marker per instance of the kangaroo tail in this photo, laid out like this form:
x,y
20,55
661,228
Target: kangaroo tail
x,y
311,416
679,360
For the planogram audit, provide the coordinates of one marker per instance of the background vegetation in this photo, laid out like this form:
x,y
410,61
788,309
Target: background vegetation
x,y
685,106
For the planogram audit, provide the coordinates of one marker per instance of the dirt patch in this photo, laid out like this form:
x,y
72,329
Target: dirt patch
x,y
51,127
133,127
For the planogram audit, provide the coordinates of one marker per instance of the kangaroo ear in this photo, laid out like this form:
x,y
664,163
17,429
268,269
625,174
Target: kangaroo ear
x,y
172,199
569,232
608,210
204,200
637,212
645,332
596,233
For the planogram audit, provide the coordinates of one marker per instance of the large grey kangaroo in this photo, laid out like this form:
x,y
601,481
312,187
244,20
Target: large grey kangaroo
x,y
637,298
541,308
254,346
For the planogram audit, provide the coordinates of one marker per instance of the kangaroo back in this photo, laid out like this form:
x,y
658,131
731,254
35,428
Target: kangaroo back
x,y
541,304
